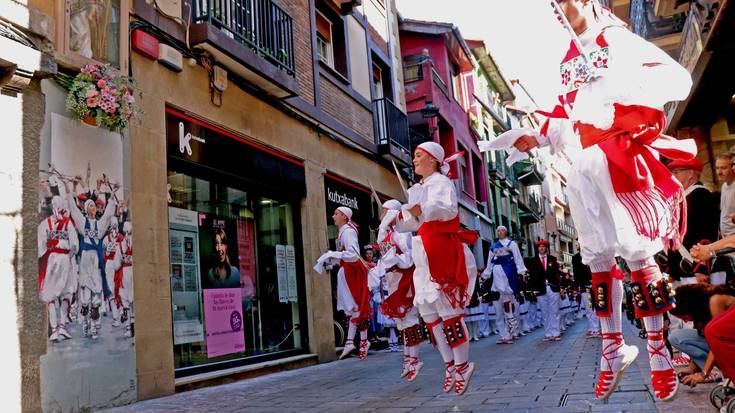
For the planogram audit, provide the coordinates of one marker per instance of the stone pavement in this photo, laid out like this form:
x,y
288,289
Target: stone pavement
x,y
528,376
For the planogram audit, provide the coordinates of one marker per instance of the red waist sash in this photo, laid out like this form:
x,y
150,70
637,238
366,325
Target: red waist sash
x,y
443,245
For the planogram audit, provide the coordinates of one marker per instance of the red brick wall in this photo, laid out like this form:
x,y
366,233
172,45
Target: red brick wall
x,y
299,11
344,109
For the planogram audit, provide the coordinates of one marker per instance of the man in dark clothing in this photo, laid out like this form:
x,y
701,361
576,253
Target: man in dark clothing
x,y
702,211
545,278
583,281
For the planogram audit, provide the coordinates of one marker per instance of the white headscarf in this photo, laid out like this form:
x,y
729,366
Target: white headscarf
x,y
346,211
437,152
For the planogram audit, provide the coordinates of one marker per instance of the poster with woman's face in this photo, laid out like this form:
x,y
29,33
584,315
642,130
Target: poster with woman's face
x,y
218,252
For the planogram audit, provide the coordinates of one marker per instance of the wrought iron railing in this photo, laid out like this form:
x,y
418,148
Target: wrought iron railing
x,y
391,125
565,228
258,24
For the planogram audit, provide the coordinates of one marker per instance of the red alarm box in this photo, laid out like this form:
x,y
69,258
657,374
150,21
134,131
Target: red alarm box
x,y
145,44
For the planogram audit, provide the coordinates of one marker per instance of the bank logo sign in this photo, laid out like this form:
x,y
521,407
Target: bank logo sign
x,y
185,139
342,199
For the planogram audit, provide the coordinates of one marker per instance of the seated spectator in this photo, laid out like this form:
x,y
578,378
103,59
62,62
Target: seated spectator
x,y
712,310
702,219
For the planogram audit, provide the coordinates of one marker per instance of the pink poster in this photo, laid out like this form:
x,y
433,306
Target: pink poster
x,y
246,255
223,321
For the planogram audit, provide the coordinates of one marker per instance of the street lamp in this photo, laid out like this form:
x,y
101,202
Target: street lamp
x,y
430,112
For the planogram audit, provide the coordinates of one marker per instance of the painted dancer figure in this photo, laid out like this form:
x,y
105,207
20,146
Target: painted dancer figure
x,y
113,261
504,265
623,200
91,262
443,284
353,294
123,283
395,268
57,245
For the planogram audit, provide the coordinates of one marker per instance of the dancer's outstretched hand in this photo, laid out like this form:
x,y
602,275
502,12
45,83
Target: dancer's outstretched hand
x,y
525,143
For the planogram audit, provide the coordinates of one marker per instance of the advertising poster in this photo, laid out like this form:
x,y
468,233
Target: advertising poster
x,y
85,280
185,286
218,246
246,256
293,293
282,273
223,321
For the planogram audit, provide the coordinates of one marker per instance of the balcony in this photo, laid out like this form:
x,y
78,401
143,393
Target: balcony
x,y
494,107
529,172
566,229
252,38
566,258
392,136
530,208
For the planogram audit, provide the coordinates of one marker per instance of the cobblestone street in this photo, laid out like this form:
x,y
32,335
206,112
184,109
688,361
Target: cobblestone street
x,y
528,376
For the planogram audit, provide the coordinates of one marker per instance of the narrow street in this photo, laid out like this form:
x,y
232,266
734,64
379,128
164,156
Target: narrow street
x,y
528,376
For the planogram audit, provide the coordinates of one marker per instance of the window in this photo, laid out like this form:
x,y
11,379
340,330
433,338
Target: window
x,y
94,31
238,240
464,177
456,82
377,82
331,38
324,50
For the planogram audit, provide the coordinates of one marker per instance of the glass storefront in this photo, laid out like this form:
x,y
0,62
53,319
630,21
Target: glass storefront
x,y
234,249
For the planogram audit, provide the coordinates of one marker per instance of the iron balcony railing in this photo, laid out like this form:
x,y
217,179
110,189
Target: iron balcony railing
x,y
258,24
565,228
391,125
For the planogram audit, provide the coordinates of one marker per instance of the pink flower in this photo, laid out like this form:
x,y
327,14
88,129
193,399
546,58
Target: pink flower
x,y
92,102
101,83
88,69
129,99
92,92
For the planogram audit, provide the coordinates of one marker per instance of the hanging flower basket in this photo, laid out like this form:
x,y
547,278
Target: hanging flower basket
x,y
102,96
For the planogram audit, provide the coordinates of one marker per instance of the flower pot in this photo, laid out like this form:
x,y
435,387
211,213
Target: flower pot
x,y
89,120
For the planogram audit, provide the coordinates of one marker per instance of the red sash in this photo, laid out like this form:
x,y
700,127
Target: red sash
x,y
443,245
400,302
119,273
641,182
356,276
51,248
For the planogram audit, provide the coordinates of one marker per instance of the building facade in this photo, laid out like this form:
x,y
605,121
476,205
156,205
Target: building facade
x,y
259,118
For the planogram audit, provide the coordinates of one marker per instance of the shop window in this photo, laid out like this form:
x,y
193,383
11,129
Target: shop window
x,y
236,240
330,33
94,31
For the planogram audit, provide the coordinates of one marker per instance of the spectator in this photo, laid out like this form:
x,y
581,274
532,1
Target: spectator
x,y
712,310
721,267
702,223
726,175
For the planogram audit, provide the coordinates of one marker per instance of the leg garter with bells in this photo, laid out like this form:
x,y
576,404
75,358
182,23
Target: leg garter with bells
x,y
454,331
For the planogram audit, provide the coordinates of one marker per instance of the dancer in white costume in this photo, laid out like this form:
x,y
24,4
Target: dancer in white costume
x,y
624,202
504,264
113,261
91,231
57,245
123,284
395,268
443,285
353,294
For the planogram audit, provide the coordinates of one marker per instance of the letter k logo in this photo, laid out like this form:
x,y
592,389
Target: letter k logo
x,y
184,145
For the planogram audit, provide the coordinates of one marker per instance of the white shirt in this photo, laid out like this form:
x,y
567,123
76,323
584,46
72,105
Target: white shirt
x,y
727,209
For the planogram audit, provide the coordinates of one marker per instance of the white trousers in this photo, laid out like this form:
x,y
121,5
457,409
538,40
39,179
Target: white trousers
x,y
549,303
593,322
507,324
